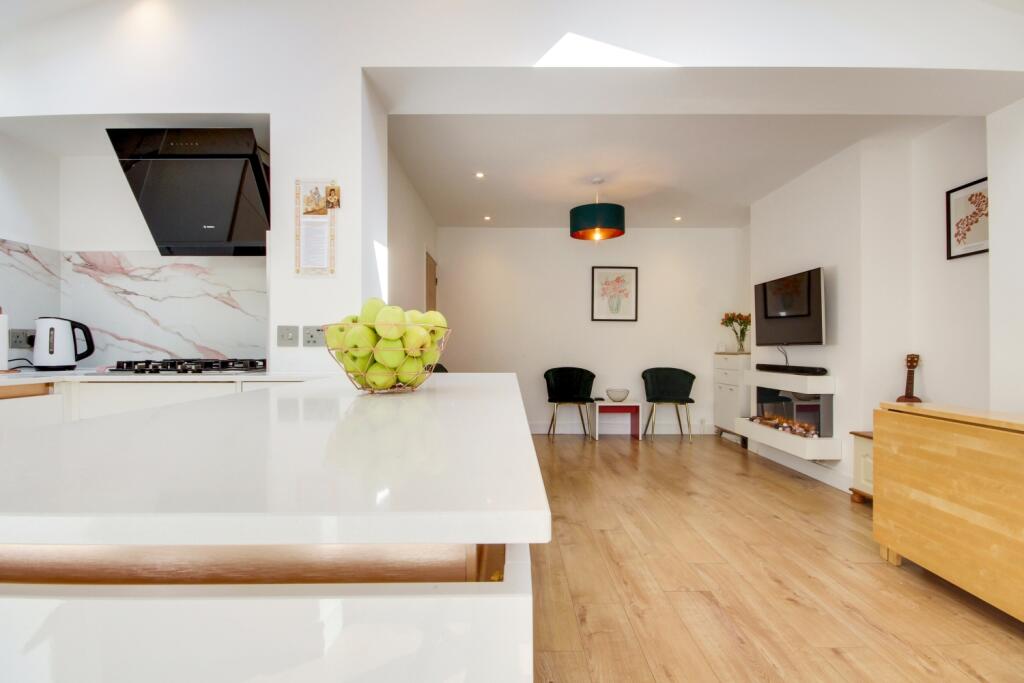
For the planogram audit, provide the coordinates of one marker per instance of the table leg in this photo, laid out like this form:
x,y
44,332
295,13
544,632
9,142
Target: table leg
x,y
634,423
594,424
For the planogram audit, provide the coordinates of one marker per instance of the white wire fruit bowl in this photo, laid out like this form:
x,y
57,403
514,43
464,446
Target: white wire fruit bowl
x,y
386,365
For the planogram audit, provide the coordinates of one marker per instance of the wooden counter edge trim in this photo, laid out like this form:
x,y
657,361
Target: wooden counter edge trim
x,y
250,564
25,390
1007,422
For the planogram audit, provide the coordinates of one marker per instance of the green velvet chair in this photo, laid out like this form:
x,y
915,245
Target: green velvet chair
x,y
569,386
668,386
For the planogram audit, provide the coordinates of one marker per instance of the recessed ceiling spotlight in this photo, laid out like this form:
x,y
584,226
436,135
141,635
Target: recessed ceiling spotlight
x,y
677,219
479,174
487,218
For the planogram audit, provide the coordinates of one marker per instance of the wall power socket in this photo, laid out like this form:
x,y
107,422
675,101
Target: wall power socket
x,y
313,335
18,339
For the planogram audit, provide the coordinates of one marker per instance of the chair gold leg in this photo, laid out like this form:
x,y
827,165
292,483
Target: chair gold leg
x,y
554,421
654,418
583,422
648,423
590,420
679,420
689,429
551,423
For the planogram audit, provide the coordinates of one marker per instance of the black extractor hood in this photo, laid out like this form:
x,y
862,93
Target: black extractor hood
x,y
202,191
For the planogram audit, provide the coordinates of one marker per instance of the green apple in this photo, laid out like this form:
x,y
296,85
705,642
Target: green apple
x,y
409,371
412,316
415,340
435,324
359,341
370,310
430,354
390,322
355,366
334,334
380,377
389,352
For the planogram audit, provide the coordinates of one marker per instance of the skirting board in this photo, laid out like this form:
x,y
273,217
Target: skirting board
x,y
570,424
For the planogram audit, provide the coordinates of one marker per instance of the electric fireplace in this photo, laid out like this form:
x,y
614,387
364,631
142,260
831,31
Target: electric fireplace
x,y
807,415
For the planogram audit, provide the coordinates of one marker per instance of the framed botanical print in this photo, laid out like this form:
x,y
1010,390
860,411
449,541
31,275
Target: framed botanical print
x,y
967,219
613,293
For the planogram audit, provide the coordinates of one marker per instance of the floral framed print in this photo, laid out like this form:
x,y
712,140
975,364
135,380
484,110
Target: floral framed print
x,y
967,219
613,293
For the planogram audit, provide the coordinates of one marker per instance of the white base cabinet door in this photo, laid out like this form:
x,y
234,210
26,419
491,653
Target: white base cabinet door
x,y
30,412
95,399
316,633
732,395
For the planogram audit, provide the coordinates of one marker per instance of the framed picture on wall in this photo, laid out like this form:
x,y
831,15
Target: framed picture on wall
x,y
967,219
613,293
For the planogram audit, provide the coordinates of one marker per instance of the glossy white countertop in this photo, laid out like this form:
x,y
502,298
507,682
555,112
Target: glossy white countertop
x,y
315,462
29,376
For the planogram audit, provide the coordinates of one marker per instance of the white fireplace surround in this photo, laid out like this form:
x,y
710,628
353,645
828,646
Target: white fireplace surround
x,y
820,448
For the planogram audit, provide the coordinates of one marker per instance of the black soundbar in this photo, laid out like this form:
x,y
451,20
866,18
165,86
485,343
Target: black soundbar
x,y
792,369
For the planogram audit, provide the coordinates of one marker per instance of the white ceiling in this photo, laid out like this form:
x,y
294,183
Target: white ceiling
x,y
708,169
19,14
694,90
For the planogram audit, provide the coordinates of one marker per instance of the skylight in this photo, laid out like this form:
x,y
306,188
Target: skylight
x,y
575,50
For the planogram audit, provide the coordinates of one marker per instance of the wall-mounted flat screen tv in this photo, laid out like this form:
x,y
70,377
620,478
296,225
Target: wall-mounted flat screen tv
x,y
790,310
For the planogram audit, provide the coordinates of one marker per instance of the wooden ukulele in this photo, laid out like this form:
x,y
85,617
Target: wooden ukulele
x,y
908,395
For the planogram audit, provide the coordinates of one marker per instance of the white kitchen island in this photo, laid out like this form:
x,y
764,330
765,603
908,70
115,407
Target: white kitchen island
x,y
304,533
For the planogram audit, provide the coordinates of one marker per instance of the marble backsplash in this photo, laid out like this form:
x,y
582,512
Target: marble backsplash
x,y
139,304
29,285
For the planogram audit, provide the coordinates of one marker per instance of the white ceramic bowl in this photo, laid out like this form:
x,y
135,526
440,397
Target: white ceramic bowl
x,y
617,395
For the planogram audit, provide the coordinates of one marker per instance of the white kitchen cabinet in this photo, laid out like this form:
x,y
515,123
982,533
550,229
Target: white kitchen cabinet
x,y
95,399
30,412
863,488
732,395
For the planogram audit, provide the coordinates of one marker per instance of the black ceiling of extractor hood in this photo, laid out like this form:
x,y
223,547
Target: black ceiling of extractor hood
x,y
202,191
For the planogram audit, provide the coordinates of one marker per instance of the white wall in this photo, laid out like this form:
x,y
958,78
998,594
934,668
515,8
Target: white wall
x,y
814,221
1006,242
98,211
375,195
950,305
411,234
874,217
518,300
29,194
884,331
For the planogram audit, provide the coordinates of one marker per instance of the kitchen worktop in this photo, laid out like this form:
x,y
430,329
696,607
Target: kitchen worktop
x,y
311,462
29,376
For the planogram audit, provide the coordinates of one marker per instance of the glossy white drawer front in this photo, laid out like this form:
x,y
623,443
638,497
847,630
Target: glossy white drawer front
x,y
96,399
369,633
726,361
30,412
732,377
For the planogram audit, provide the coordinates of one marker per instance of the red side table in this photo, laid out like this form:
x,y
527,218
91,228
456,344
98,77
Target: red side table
x,y
611,407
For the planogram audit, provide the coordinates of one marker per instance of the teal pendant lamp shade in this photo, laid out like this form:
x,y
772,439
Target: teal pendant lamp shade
x,y
597,221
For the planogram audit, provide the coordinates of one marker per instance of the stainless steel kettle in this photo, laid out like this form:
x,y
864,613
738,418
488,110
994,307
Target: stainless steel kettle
x,y
56,347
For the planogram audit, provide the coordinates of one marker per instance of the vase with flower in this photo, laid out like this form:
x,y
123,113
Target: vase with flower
x,y
739,323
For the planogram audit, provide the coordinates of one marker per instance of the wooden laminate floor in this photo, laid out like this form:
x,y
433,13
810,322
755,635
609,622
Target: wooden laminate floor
x,y
673,561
